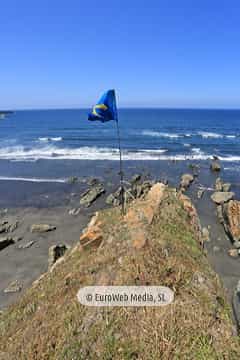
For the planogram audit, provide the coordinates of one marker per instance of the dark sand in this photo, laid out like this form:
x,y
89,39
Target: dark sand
x,y
50,203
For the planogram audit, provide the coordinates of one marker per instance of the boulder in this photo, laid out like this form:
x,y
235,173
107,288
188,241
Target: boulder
x,y
220,197
73,180
5,241
215,166
218,184
55,252
93,181
136,178
226,187
42,228
186,180
231,213
205,234
200,193
233,253
89,196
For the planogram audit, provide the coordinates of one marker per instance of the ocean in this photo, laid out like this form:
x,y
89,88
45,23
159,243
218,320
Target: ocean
x,y
146,135
49,146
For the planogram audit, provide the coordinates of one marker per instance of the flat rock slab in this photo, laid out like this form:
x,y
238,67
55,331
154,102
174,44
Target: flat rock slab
x,y
220,197
91,195
27,245
41,228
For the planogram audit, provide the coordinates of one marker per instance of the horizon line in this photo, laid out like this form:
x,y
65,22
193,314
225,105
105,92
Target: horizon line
x,y
124,108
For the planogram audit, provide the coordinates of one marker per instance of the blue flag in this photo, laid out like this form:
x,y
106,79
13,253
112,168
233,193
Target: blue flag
x,y
105,109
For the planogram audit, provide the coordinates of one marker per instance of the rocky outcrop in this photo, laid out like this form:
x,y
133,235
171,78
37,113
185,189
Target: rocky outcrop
x,y
93,235
137,190
231,215
55,252
185,182
42,228
139,217
7,227
89,196
220,197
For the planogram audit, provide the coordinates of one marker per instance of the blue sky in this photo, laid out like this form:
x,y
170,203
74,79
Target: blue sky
x,y
153,52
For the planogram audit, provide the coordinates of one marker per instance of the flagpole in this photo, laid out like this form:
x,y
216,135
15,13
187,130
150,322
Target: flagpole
x,y
120,168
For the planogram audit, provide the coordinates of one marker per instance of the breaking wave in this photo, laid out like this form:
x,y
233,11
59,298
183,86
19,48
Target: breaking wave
x,y
38,180
59,138
160,134
19,153
206,135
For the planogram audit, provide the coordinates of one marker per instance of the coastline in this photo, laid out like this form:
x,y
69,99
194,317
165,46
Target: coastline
x,y
50,202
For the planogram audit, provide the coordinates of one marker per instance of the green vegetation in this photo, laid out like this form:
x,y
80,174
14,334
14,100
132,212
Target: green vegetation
x,y
49,323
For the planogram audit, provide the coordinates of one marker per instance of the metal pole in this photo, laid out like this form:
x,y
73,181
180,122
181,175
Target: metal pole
x,y
121,170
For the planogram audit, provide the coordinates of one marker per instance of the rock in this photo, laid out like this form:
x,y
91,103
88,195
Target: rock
x,y
233,253
220,197
92,237
55,252
221,186
41,228
142,189
226,187
236,244
136,178
220,214
138,218
91,195
74,211
218,184
27,245
5,241
112,200
215,166
73,180
93,181
231,213
14,286
186,180
200,193
205,234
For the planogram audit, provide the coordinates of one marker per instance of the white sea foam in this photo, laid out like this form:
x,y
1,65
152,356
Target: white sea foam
x,y
230,136
58,138
51,152
160,134
186,145
197,150
38,180
206,135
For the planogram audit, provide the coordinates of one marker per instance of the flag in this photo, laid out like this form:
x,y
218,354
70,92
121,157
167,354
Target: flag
x,y
105,109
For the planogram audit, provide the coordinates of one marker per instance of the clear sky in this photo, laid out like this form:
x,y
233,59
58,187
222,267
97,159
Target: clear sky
x,y
172,53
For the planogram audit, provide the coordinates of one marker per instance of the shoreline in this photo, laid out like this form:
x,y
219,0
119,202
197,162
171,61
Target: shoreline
x,y
51,202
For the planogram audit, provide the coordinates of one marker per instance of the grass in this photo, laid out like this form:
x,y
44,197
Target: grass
x,y
49,323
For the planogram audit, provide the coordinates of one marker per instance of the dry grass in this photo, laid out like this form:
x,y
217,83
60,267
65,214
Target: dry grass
x,y
49,323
